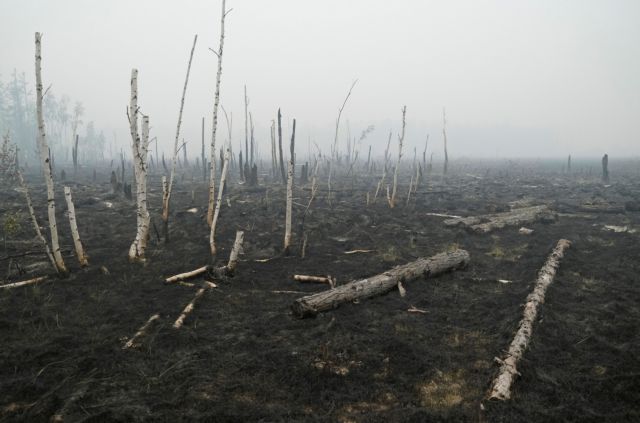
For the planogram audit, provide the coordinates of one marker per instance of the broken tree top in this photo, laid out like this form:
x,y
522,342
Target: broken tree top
x,y
379,284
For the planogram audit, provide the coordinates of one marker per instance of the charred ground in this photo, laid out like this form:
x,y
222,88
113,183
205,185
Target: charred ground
x,y
242,356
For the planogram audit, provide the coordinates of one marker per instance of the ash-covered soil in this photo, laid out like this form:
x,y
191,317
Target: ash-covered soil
x,y
242,356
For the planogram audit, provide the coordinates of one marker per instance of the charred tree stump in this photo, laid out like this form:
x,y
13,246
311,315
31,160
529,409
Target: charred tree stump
x,y
379,284
605,168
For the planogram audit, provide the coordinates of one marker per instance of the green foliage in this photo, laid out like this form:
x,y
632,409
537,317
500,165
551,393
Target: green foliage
x,y
11,224
8,162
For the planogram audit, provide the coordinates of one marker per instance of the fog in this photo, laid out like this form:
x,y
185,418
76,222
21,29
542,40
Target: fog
x,y
518,79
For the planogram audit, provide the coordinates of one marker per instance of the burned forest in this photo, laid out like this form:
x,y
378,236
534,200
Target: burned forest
x,y
231,227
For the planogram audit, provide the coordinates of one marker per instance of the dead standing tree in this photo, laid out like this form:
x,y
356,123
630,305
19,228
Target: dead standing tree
x,y
166,193
139,148
282,174
334,152
216,102
46,164
73,223
444,134
287,231
392,203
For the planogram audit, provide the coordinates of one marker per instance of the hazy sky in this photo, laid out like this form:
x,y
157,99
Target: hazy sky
x,y
517,78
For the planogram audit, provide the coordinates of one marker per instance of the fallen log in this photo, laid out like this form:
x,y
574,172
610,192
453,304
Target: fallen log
x,y
379,284
214,272
501,387
141,332
189,308
318,279
23,283
489,222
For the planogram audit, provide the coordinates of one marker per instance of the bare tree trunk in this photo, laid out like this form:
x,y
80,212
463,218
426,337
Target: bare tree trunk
x,y
82,257
46,165
203,158
274,159
282,174
501,388
166,197
334,152
379,284
287,230
392,203
216,102
139,149
27,196
246,127
223,177
252,141
444,134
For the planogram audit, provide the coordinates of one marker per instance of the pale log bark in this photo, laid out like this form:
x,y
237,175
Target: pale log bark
x,y
23,283
46,164
82,257
141,332
189,308
516,217
379,284
187,275
501,387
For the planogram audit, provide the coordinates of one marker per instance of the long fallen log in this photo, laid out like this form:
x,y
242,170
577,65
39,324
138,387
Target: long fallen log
x,y
379,284
23,283
517,217
501,387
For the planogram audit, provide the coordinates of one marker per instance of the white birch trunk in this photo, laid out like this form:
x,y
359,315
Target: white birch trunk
x,y
287,223
216,102
46,164
27,196
214,221
235,251
166,195
82,258
139,155
501,388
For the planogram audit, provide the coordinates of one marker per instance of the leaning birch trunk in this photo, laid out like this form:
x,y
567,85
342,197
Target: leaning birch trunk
x,y
46,165
379,284
392,203
501,387
166,195
287,224
216,102
82,257
235,251
27,196
223,177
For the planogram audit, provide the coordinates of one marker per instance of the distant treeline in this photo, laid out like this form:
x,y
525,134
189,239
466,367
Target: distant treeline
x,y
62,121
